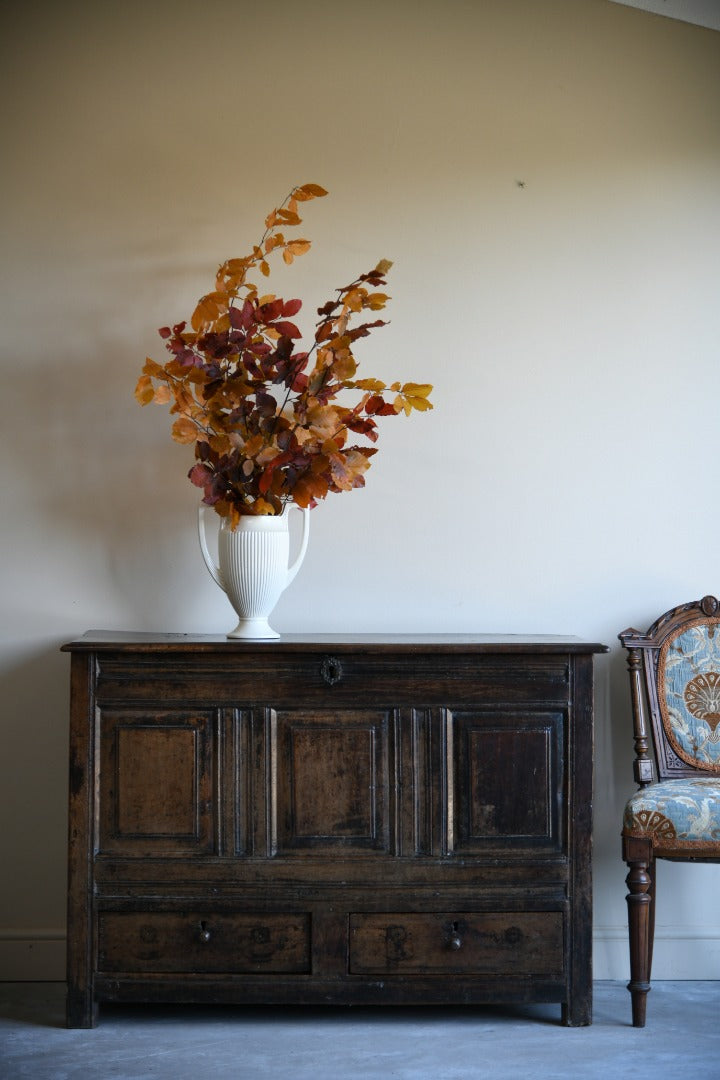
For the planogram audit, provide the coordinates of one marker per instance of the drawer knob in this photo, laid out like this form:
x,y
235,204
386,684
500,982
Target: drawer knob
x,y
331,670
455,939
204,934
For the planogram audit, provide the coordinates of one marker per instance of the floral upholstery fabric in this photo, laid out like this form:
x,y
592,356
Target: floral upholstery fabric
x,y
689,691
676,813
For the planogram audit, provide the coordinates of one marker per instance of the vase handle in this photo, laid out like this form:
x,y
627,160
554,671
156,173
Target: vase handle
x,y
209,561
292,570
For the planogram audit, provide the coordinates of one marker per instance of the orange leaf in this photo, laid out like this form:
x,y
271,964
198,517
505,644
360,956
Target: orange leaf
x,y
162,395
184,431
151,368
288,217
298,247
208,309
144,392
309,191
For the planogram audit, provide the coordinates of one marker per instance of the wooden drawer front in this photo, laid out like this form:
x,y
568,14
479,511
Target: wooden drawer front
x,y
488,943
201,942
335,675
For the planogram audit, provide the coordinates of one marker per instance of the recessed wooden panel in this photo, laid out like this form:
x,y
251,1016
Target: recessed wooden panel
x,y
488,943
506,781
156,783
332,780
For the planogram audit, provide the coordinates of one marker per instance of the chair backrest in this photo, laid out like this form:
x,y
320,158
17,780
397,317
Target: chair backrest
x,y
675,674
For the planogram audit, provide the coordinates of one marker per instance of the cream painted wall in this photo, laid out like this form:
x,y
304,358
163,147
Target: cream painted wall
x,y
545,177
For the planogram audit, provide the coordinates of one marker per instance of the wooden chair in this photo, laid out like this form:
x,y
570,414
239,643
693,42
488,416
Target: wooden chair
x,y
675,685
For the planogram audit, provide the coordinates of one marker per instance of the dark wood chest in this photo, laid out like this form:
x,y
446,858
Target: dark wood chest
x,y
330,819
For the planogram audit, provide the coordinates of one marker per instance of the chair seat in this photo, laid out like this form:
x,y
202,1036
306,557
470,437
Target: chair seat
x,y
676,813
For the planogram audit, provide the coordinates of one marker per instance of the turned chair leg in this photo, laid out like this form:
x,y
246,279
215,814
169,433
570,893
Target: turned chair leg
x,y
641,925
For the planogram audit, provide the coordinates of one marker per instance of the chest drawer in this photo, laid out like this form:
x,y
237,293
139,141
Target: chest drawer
x,y
443,943
181,942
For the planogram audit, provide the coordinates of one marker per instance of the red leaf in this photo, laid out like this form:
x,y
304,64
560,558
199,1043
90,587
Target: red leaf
x,y
200,475
377,406
288,329
242,318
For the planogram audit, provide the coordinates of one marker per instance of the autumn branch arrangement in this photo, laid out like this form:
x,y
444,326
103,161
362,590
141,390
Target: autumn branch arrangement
x,y
264,417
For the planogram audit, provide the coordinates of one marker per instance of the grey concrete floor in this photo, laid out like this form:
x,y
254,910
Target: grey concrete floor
x,y
681,1040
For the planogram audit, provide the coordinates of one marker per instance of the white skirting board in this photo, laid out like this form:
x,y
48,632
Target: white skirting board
x,y
680,953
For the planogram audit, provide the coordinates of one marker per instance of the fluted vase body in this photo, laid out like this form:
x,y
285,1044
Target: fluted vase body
x,y
253,567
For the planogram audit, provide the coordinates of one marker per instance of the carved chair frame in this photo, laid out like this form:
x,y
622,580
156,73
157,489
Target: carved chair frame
x,y
639,852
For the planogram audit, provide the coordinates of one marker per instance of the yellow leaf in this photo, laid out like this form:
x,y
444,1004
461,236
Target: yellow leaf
x,y
376,301
265,269
162,395
383,266
372,384
420,403
417,389
144,392
261,506
288,255
184,431
354,299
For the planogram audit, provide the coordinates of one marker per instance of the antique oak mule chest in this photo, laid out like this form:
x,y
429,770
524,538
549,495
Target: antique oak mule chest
x,y
344,819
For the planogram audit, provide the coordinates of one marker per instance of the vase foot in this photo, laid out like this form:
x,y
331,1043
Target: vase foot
x,y
253,630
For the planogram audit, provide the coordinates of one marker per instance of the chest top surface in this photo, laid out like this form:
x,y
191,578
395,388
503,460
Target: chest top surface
x,y
138,641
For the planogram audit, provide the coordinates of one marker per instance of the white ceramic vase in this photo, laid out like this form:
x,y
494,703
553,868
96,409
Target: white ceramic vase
x,y
253,566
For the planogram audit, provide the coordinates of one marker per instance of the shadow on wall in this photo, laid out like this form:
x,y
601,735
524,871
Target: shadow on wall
x,y
33,781
100,482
